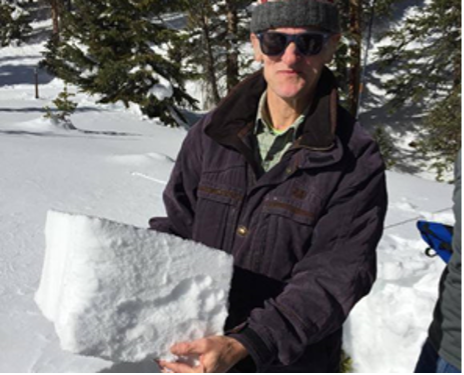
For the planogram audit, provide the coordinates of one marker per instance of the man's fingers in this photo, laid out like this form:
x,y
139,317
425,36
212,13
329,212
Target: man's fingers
x,y
178,367
187,348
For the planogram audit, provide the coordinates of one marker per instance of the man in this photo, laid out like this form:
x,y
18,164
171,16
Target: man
x,y
284,179
442,351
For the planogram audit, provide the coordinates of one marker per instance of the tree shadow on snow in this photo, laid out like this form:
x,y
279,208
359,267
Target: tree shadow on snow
x,y
22,74
39,35
70,133
42,110
19,58
379,113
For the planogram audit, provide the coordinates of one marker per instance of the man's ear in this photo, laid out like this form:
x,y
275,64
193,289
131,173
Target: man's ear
x,y
256,48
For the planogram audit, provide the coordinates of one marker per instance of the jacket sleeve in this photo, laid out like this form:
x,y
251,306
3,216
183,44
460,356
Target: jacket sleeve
x,y
452,292
457,197
337,271
180,195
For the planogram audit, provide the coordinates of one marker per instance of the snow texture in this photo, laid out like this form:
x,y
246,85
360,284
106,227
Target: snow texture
x,y
126,294
163,89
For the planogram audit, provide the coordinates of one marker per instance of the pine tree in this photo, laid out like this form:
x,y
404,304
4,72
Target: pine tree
x,y
119,50
201,46
15,23
65,107
56,10
355,27
237,34
356,17
386,146
424,57
348,64
441,137
215,32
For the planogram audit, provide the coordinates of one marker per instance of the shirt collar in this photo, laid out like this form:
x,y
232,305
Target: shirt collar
x,y
263,122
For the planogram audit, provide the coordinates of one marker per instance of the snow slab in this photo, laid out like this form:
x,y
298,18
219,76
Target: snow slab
x,y
126,294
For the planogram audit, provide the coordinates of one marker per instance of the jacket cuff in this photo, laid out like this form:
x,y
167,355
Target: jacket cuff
x,y
160,224
261,354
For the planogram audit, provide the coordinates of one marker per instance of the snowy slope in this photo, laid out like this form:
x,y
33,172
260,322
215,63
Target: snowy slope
x,y
386,330
96,170
115,165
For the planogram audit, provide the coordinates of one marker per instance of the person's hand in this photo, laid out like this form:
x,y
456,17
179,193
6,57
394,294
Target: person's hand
x,y
215,354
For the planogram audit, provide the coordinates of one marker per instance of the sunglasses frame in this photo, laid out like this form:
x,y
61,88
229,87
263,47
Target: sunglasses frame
x,y
289,38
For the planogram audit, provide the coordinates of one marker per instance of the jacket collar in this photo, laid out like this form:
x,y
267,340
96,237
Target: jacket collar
x,y
231,120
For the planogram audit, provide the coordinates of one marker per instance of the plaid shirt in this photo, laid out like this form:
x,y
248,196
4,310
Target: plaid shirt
x,y
273,143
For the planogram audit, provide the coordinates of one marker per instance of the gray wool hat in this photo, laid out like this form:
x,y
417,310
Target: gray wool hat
x,y
295,13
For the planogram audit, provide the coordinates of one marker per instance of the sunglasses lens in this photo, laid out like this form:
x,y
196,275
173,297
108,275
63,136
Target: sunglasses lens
x,y
273,44
310,44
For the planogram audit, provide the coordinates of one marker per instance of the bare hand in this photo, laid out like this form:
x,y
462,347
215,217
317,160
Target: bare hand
x,y
216,354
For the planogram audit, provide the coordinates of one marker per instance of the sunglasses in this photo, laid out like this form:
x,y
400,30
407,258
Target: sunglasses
x,y
307,44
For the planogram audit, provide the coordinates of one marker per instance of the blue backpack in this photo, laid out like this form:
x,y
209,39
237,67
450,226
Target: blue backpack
x,y
439,237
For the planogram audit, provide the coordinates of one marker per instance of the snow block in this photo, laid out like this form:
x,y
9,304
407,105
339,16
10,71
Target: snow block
x,y
126,294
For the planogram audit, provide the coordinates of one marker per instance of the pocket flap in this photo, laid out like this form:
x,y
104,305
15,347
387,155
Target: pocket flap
x,y
303,212
220,194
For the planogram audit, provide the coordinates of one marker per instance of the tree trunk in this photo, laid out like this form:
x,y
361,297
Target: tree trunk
x,y
55,8
232,70
355,55
457,79
209,63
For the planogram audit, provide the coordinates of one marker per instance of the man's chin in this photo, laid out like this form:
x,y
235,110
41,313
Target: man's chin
x,y
290,90
290,94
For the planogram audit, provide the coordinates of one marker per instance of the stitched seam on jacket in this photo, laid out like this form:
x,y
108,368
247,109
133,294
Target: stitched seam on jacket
x,y
293,209
220,192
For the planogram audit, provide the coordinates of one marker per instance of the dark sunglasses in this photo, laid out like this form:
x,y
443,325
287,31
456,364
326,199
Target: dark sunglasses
x,y
307,43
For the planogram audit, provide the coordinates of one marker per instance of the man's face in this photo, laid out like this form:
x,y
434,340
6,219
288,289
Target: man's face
x,y
292,76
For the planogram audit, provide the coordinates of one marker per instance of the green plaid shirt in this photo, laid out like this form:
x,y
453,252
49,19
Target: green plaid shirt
x,y
273,143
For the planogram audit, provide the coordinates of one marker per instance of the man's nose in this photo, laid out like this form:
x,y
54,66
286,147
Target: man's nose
x,y
291,54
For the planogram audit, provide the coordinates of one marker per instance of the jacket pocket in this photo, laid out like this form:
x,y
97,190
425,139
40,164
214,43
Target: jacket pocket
x,y
215,216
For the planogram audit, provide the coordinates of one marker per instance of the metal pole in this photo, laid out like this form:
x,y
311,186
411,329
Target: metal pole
x,y
36,78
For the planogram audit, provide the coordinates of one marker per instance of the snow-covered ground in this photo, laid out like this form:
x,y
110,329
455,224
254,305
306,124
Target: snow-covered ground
x,y
115,164
101,169
386,330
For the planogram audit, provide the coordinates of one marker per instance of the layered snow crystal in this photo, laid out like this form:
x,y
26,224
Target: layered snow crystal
x,y
126,294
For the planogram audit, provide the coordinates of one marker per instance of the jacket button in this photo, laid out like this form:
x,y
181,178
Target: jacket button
x,y
242,231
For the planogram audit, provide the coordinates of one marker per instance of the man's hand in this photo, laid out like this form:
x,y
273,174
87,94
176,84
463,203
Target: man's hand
x,y
216,354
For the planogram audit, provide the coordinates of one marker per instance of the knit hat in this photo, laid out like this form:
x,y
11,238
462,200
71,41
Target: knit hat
x,y
270,14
